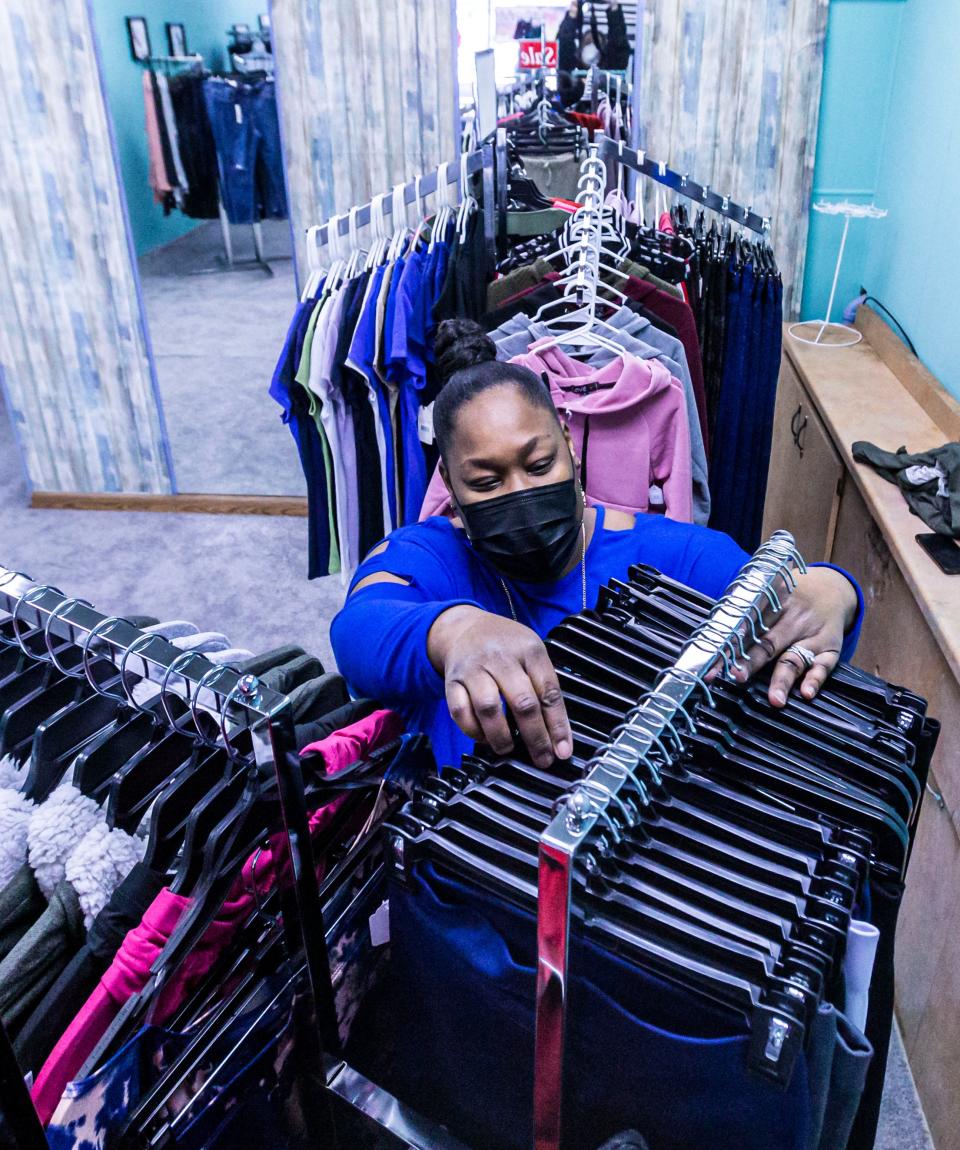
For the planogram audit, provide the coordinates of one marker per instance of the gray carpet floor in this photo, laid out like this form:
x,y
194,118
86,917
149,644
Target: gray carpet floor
x,y
216,335
243,575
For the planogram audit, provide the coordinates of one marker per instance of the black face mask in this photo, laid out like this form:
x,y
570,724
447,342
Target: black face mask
x,y
528,535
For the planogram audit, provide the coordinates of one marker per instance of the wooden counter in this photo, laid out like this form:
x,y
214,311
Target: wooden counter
x,y
845,512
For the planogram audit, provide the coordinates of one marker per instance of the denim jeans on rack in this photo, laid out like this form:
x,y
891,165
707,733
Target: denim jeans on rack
x,y
642,1053
246,129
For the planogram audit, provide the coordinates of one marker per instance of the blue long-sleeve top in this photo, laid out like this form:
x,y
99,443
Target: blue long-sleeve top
x,y
380,636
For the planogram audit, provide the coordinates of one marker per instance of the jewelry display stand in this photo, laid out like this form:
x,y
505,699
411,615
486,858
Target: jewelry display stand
x,y
837,334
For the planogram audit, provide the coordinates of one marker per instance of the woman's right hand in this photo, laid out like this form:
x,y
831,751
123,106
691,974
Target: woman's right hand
x,y
486,660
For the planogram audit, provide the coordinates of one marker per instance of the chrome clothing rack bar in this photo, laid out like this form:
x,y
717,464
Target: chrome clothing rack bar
x,y
638,161
479,161
611,792
230,703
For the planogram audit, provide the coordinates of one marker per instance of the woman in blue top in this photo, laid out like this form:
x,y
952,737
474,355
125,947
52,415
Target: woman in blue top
x,y
445,619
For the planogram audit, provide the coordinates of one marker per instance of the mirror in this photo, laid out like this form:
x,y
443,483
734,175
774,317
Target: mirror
x,y
574,36
191,94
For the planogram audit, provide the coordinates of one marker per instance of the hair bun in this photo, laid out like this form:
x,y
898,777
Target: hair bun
x,y
461,343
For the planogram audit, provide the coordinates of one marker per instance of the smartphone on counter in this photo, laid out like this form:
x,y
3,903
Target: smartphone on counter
x,y
943,550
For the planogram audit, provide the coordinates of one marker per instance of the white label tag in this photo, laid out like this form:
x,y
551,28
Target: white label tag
x,y
425,424
238,112
380,924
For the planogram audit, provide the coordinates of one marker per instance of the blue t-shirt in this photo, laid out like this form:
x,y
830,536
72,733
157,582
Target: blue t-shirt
x,y
380,635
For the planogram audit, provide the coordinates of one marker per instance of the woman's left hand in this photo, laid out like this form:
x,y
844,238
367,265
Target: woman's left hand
x,y
815,616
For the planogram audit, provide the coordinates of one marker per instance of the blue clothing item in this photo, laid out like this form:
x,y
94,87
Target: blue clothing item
x,y
744,421
246,131
93,1111
642,1052
382,653
406,362
296,414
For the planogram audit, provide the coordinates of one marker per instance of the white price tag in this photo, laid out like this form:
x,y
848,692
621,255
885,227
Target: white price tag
x,y
380,924
425,424
238,112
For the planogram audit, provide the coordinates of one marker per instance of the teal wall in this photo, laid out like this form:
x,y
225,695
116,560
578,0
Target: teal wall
x,y
206,22
888,134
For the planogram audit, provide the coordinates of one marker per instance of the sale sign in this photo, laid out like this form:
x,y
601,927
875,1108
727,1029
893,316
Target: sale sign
x,y
534,54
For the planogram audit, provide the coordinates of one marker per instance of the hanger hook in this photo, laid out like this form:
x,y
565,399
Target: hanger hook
x,y
248,686
62,609
174,668
8,577
398,207
464,175
687,676
631,815
625,761
104,626
353,230
675,708
24,601
140,641
216,671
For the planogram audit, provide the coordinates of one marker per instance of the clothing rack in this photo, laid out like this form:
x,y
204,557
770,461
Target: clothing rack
x,y
606,796
638,161
469,164
259,262
586,226
193,60
593,87
238,703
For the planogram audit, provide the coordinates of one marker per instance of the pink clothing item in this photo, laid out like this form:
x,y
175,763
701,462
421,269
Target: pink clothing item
x,y
156,169
628,422
638,432
437,499
130,970
666,224
126,976
352,743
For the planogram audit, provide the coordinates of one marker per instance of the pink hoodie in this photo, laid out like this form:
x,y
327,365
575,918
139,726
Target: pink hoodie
x,y
628,422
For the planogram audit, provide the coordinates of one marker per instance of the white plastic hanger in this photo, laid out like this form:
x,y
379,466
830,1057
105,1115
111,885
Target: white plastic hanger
x,y
467,202
314,263
442,219
398,209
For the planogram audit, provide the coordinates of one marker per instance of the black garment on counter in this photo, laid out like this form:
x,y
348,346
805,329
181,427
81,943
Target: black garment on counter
x,y
198,151
21,904
44,1027
940,512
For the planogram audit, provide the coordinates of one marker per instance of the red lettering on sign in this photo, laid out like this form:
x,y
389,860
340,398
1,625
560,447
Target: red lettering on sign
x,y
532,56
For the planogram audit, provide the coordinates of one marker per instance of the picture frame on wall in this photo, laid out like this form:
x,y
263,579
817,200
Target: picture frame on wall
x,y
139,35
176,39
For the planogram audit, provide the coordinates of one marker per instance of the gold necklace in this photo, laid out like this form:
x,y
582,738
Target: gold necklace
x,y
583,574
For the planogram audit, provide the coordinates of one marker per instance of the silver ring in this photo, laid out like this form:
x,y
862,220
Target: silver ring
x,y
803,653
